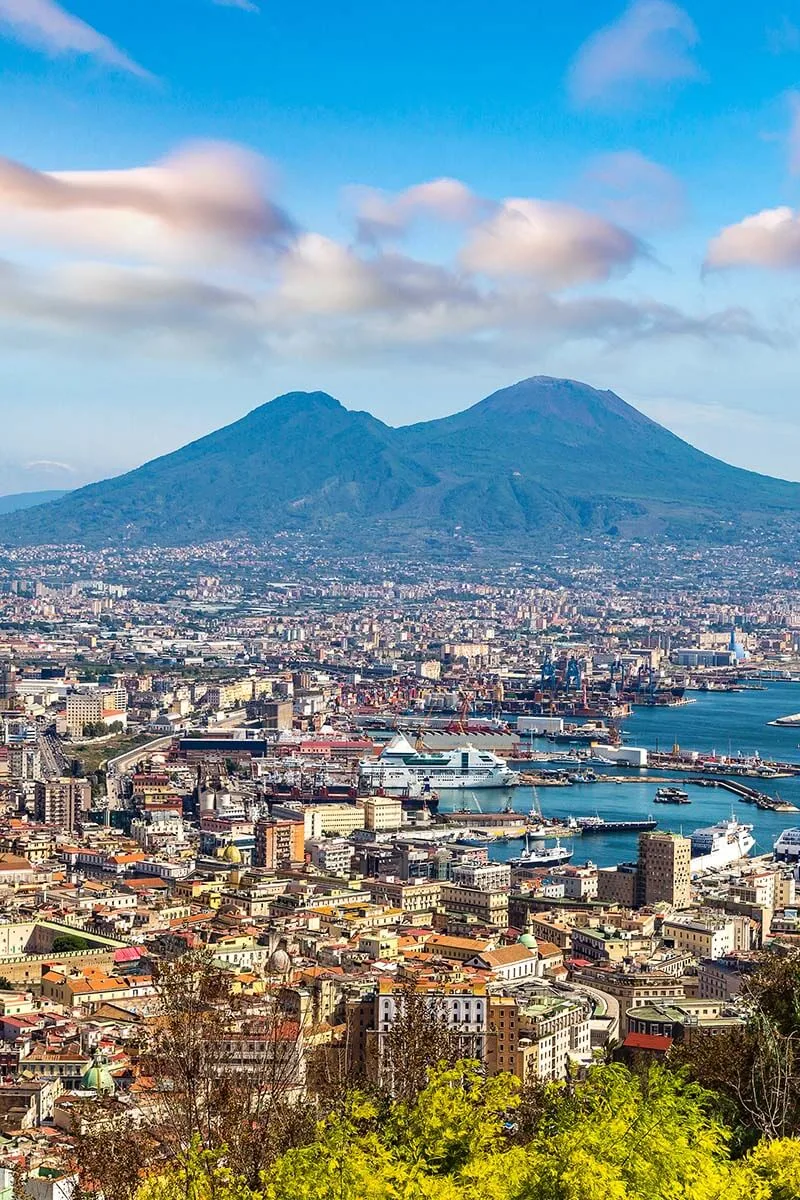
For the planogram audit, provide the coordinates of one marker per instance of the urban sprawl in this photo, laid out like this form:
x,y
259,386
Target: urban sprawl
x,y
310,774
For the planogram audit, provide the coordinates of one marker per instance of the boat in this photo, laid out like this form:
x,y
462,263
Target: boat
x,y
719,845
399,765
787,847
601,825
544,856
472,837
672,795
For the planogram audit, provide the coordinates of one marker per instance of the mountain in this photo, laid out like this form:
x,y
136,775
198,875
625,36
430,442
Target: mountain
x,y
19,500
546,458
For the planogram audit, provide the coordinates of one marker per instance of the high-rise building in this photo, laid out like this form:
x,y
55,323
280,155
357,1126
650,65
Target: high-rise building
x,y
279,843
665,869
62,802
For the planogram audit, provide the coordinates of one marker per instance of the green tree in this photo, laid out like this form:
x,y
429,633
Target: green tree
x,y
69,941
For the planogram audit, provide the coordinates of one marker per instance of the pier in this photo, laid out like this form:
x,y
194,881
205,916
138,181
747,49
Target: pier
x,y
747,794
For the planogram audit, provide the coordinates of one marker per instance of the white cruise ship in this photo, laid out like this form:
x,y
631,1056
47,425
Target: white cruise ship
x,y
787,847
719,845
400,766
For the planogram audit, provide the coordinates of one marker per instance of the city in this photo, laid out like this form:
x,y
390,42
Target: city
x,y
399,600
340,790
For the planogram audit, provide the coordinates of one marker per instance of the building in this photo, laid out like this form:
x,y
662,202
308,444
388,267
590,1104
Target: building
x,y
420,896
703,935
511,964
463,1006
105,707
332,855
665,869
491,876
382,813
62,802
279,843
536,1039
662,874
337,820
487,906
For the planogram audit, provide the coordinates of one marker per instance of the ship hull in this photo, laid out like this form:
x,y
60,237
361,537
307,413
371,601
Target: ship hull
x,y
725,856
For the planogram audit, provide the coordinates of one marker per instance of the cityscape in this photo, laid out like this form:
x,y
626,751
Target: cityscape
x,y
399,601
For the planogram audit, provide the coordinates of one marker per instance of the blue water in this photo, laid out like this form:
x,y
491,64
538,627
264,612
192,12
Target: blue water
x,y
726,722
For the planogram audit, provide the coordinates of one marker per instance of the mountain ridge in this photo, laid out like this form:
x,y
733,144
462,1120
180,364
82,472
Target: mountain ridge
x,y
544,457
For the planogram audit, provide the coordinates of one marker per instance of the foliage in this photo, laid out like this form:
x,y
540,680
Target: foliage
x,y
616,1137
69,941
756,1070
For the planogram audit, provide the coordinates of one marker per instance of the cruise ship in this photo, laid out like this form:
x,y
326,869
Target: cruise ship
x,y
719,845
399,766
787,847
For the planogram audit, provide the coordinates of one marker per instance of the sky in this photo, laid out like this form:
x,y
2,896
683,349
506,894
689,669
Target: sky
x,y
206,203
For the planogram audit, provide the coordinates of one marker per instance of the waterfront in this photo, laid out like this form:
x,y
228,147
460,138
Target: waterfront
x,y
725,722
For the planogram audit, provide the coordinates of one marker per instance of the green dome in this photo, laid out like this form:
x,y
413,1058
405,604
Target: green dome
x,y
527,939
97,1077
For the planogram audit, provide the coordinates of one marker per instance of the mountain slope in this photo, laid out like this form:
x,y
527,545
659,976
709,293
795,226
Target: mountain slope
x,y
16,501
545,457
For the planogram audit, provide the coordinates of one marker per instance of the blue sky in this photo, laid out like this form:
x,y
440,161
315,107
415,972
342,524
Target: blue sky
x,y
407,204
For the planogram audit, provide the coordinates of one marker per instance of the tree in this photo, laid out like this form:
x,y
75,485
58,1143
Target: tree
x,y
224,1070
64,942
419,1039
756,1070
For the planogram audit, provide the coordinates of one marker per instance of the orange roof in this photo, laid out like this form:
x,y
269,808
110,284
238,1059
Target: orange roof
x,y
505,955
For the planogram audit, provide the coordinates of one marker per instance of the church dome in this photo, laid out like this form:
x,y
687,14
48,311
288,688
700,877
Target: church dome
x,y
528,940
97,1077
232,854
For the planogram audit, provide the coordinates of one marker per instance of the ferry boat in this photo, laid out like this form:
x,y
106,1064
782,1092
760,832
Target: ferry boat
x,y
544,856
787,847
672,795
601,825
719,845
399,765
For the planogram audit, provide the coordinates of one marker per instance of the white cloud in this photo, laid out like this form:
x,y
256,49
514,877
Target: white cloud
x,y
555,244
380,215
45,25
633,190
767,239
49,465
203,200
328,303
245,5
649,44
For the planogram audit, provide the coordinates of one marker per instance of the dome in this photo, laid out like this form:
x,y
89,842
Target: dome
x,y
232,854
527,939
97,1077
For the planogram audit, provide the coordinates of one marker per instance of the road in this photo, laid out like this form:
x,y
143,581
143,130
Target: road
x,y
606,1006
116,767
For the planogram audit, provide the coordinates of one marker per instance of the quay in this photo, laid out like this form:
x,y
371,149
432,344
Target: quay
x,y
747,794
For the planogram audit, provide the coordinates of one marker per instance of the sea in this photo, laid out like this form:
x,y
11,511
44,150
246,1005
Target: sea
x,y
725,722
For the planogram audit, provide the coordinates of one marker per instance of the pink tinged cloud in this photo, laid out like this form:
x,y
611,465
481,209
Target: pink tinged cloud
x,y
553,244
768,239
381,215
650,44
634,191
207,196
45,25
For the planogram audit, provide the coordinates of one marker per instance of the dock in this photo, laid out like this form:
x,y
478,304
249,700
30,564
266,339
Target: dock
x,y
746,794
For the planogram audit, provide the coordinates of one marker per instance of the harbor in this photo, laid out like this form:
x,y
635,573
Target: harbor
x,y
720,724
